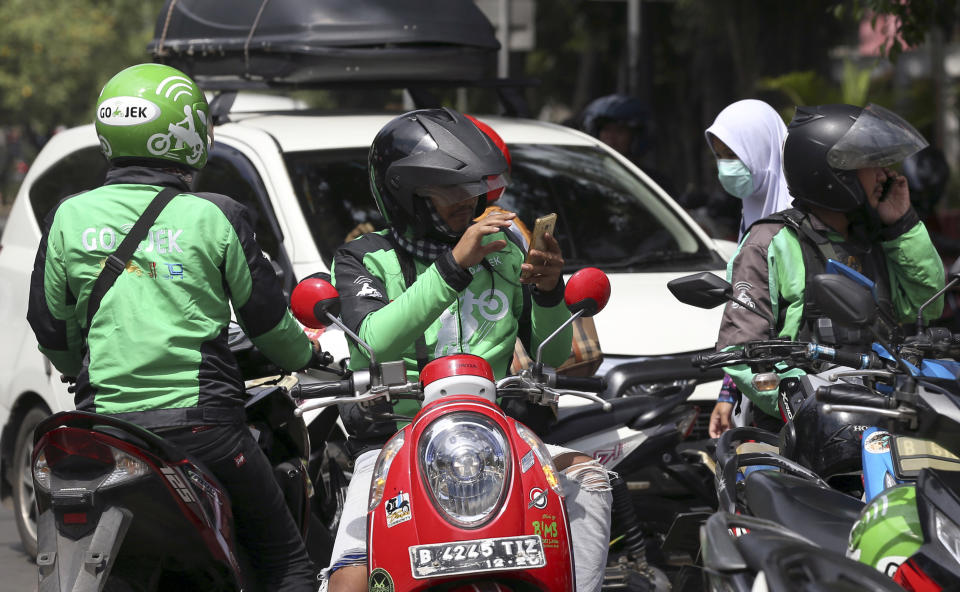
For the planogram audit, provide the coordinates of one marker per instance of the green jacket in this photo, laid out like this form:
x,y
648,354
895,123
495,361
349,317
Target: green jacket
x,y
156,352
456,311
768,272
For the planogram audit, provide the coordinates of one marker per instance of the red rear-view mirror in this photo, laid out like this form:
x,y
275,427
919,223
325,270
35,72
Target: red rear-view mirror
x,y
314,301
587,290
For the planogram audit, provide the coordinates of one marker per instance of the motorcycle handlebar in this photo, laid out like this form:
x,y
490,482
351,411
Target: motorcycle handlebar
x,y
850,394
855,360
590,384
338,388
704,361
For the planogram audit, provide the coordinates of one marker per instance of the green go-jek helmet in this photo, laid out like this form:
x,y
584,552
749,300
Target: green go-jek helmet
x,y
888,531
152,111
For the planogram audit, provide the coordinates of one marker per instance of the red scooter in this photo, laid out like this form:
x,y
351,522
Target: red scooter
x,y
463,494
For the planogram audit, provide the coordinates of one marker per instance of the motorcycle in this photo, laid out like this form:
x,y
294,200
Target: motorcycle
x,y
661,495
801,501
464,493
120,508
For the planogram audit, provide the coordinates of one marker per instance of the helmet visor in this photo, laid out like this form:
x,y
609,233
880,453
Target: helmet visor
x,y
448,195
878,138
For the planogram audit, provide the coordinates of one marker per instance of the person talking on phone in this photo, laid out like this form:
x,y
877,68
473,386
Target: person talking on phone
x,y
847,206
436,282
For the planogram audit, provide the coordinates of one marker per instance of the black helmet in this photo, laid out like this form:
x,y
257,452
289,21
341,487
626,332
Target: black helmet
x,y
627,110
826,144
828,443
431,151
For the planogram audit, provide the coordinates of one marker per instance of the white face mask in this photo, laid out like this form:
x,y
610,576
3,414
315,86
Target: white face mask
x,y
735,177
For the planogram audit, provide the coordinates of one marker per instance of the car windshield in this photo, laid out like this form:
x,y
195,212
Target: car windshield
x,y
607,216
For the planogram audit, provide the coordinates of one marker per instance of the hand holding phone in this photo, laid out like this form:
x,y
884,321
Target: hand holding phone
x,y
543,225
542,269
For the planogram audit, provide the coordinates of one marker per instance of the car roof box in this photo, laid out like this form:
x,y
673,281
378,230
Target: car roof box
x,y
231,44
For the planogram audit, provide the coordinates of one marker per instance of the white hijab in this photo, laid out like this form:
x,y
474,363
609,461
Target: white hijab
x,y
755,133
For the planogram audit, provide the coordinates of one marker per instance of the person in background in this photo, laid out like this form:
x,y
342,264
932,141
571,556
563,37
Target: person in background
x,y
746,139
624,123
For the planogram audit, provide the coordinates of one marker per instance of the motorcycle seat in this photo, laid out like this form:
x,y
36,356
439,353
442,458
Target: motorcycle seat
x,y
590,419
824,516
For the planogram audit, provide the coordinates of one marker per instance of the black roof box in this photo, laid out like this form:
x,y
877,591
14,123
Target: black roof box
x,y
233,43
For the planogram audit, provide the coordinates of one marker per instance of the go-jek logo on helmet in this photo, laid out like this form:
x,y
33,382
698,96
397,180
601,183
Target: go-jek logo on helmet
x,y
153,111
127,111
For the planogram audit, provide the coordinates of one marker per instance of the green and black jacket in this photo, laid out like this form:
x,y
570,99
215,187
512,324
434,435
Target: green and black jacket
x,y
769,272
156,352
477,311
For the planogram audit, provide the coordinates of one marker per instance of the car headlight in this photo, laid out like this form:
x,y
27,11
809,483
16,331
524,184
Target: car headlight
x,y
465,460
382,468
546,461
948,533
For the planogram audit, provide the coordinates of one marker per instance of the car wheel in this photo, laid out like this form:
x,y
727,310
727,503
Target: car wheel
x,y
24,496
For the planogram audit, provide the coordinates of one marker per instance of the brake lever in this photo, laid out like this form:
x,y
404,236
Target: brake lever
x,y
901,414
605,405
844,374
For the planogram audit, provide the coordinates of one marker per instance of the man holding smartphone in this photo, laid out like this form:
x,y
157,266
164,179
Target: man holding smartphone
x,y
437,283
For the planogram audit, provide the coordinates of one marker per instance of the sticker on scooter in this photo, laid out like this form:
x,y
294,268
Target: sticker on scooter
x,y
182,489
526,462
547,529
877,443
398,509
483,555
607,456
380,581
538,498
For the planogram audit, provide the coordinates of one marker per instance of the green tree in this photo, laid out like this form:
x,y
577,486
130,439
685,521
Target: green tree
x,y
55,57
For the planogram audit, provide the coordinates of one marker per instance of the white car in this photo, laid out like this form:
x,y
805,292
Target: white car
x,y
304,177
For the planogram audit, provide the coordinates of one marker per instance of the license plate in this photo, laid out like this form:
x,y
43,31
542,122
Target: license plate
x,y
460,557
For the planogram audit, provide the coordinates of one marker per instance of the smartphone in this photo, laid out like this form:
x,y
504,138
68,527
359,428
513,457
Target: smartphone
x,y
886,187
542,226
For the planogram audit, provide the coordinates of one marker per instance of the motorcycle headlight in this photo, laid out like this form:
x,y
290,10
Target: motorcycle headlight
x,y
465,462
381,468
948,533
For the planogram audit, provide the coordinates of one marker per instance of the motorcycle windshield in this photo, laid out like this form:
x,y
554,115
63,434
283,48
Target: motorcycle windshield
x,y
878,138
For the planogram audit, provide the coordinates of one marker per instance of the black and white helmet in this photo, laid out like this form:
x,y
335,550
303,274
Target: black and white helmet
x,y
435,152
